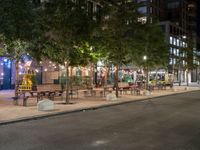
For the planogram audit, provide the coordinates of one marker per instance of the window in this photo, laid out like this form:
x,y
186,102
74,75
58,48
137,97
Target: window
x,y
142,10
171,40
178,52
143,20
170,61
174,41
174,61
174,51
184,44
171,50
177,42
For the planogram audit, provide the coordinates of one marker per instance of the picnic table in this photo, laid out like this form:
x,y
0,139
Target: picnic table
x,y
46,90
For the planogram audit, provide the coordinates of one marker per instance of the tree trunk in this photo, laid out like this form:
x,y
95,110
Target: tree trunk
x,y
116,80
71,79
106,76
67,83
156,76
179,75
187,77
147,78
16,78
91,74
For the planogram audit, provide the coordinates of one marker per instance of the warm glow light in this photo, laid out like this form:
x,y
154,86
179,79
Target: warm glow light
x,y
145,57
45,69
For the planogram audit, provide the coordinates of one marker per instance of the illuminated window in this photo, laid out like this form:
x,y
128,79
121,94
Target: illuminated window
x,y
171,50
174,41
143,20
171,40
177,42
170,61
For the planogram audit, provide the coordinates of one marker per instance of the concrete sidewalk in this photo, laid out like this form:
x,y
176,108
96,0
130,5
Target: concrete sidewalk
x,y
10,113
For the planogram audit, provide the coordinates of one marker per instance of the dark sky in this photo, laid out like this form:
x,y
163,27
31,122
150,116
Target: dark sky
x,y
198,16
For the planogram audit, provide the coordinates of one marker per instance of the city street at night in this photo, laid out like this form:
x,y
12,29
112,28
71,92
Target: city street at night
x,y
99,75
166,123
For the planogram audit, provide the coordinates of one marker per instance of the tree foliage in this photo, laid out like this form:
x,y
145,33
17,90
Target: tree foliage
x,y
152,44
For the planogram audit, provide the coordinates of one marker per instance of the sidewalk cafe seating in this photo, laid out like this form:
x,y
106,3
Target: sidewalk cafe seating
x,y
131,88
45,90
92,91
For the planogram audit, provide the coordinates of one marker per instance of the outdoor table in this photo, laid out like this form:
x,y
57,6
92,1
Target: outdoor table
x,y
100,90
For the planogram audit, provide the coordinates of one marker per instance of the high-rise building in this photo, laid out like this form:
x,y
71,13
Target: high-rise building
x,y
178,19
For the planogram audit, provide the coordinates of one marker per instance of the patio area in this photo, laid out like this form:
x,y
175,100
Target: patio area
x,y
10,112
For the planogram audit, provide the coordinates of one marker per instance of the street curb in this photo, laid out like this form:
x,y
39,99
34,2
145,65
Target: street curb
x,y
38,117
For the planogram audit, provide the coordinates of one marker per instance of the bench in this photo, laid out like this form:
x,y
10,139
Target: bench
x,y
46,90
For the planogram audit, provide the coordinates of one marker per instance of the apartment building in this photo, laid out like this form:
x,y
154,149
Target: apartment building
x,y
178,19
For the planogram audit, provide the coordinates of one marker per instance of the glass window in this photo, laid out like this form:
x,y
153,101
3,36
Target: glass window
x,y
174,51
183,44
178,52
174,41
170,61
174,61
142,10
171,50
177,42
171,40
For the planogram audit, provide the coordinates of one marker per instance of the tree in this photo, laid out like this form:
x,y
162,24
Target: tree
x,y
189,60
153,49
68,26
118,33
16,28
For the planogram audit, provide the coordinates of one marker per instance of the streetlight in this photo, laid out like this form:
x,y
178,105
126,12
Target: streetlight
x,y
145,58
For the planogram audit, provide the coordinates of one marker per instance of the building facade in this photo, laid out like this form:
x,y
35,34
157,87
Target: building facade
x,y
178,19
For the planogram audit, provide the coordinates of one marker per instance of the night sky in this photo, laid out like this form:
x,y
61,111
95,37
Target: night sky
x,y
198,17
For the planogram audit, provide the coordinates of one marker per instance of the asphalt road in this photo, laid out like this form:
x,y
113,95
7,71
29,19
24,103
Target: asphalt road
x,y
167,123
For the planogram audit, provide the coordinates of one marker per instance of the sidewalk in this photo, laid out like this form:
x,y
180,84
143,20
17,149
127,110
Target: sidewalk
x,y
11,113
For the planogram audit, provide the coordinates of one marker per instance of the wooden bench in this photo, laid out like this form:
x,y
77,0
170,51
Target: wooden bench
x,y
46,90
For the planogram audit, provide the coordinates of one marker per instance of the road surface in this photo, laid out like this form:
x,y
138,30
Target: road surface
x,y
166,123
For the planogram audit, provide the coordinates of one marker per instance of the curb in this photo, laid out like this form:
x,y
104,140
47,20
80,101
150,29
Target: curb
x,y
38,117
